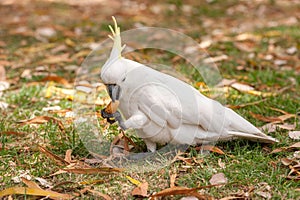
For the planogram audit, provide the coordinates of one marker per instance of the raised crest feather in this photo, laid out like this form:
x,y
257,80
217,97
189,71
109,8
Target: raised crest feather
x,y
117,47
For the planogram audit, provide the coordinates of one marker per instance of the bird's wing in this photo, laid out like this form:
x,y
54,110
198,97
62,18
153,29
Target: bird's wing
x,y
167,100
160,105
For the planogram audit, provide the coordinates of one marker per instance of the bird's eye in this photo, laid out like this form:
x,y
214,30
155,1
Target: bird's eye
x,y
123,79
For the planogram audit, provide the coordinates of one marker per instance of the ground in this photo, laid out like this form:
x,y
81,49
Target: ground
x,y
255,45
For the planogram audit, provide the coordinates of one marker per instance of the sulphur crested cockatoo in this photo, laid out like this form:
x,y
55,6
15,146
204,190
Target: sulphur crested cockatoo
x,y
164,109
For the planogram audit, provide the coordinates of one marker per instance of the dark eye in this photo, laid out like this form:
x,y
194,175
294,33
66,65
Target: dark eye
x,y
123,79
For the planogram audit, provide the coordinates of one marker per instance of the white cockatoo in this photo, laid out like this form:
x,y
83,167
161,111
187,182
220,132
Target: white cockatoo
x,y
164,109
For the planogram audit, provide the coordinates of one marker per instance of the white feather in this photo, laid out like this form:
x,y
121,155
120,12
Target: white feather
x,y
167,110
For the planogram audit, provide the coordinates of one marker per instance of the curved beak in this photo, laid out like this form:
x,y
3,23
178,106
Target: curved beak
x,y
114,91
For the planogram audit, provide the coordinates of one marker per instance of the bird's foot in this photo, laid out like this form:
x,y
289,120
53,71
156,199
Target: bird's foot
x,y
113,117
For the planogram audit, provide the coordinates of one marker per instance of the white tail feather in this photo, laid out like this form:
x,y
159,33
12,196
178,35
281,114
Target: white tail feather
x,y
249,136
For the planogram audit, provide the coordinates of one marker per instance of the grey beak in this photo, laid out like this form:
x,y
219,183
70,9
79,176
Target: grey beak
x,y
113,91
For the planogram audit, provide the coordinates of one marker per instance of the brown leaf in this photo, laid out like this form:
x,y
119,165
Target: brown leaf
x,y
279,110
287,126
172,180
34,192
42,120
265,195
99,194
141,190
5,63
263,118
286,117
181,191
101,170
218,179
221,164
2,73
29,183
56,79
242,87
60,161
271,127
248,37
56,59
68,157
286,161
215,59
245,46
210,148
3,105
296,145
12,133
278,119
112,107
231,197
281,149
294,135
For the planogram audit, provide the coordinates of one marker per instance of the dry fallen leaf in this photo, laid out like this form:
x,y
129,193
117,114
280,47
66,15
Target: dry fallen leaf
x,y
281,149
68,157
294,135
247,46
3,105
56,79
278,119
265,195
34,192
30,184
42,120
134,181
12,133
210,148
21,174
296,154
215,59
172,179
101,170
286,161
189,198
221,164
4,85
2,73
43,182
60,161
231,198
182,191
99,194
141,190
112,107
296,145
241,87
218,179
294,174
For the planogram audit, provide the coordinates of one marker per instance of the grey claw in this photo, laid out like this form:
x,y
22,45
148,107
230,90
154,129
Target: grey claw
x,y
116,116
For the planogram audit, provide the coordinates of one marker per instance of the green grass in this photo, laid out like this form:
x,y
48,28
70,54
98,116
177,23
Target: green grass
x,y
248,165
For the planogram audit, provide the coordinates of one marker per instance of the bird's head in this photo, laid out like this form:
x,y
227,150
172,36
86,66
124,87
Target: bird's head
x,y
114,70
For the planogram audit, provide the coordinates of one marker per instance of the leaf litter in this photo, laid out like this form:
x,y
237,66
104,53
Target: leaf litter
x,y
38,54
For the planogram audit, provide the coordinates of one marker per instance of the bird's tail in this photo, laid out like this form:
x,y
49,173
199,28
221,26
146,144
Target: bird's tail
x,y
116,37
241,128
253,137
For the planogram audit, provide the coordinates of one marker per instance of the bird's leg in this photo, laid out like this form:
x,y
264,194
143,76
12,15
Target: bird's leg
x,y
151,146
